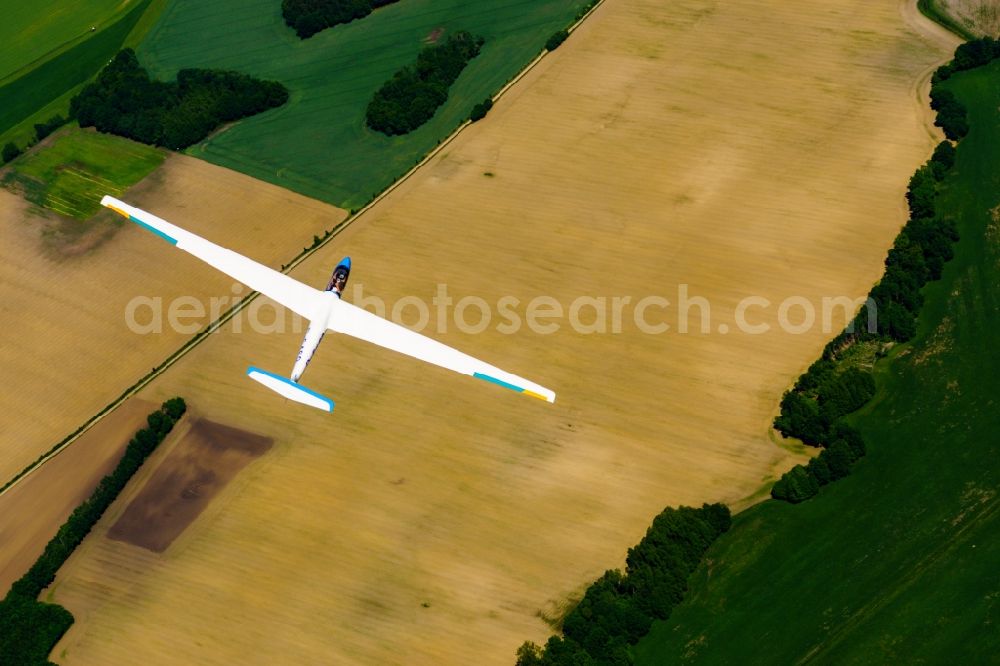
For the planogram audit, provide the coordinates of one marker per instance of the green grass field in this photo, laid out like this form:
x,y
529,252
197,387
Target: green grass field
x,y
71,174
900,562
318,143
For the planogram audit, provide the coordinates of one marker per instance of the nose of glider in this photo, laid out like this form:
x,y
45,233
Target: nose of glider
x,y
345,262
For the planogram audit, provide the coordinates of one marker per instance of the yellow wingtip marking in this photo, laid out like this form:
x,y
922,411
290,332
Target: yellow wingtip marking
x,y
535,395
119,211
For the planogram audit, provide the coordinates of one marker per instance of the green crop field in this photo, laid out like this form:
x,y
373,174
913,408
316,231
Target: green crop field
x,y
48,61
318,143
899,562
71,174
32,31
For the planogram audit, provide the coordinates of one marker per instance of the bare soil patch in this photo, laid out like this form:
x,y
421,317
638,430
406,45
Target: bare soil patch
x,y
201,464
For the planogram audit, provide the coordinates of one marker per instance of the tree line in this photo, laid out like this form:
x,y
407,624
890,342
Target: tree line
x,y
618,609
29,629
307,17
413,94
951,116
125,101
11,151
812,409
826,392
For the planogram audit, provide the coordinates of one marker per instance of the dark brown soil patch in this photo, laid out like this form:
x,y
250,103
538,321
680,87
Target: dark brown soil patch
x,y
185,482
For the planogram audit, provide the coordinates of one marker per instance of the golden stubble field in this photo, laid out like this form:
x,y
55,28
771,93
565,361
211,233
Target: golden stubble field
x,y
32,511
743,149
65,348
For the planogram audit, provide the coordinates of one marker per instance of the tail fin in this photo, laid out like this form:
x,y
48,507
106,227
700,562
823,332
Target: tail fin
x,y
289,389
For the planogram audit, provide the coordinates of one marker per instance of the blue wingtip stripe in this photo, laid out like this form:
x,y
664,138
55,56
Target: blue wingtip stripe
x,y
288,381
498,382
169,239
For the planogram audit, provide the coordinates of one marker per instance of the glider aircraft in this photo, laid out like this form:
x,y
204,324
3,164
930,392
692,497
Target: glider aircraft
x,y
325,311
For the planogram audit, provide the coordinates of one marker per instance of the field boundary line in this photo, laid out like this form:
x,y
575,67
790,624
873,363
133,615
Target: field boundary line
x,y
224,318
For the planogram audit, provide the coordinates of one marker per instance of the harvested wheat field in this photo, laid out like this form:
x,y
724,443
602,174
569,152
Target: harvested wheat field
x,y
65,286
32,511
980,17
743,149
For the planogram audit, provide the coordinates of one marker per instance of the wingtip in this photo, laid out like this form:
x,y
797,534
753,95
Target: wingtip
x,y
546,398
109,201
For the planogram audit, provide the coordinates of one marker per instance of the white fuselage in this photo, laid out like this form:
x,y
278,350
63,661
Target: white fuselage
x,y
314,335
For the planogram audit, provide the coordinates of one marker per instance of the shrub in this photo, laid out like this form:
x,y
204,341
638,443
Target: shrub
x,y
46,128
819,470
9,152
951,115
480,110
838,457
842,432
557,38
845,393
943,159
801,417
796,485
921,191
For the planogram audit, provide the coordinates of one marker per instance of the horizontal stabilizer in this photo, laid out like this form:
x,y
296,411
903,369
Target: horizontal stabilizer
x,y
289,389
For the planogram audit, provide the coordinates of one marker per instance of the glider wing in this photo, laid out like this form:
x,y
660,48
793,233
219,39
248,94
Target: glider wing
x,y
356,322
291,293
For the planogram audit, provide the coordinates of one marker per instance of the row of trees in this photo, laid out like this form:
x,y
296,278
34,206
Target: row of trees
x,y
555,39
825,393
29,628
11,151
413,94
307,17
971,54
618,609
951,116
480,110
46,128
125,101
843,446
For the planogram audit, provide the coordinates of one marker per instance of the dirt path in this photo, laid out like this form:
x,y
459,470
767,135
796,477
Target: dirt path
x,y
941,38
